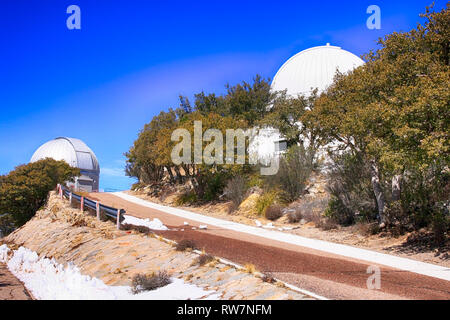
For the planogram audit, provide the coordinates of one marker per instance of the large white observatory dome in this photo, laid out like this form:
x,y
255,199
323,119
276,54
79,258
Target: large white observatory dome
x,y
78,155
313,68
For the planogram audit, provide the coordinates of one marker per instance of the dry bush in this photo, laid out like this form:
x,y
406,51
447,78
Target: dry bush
x,y
351,189
204,259
142,282
308,208
295,168
366,228
186,244
327,224
312,216
268,277
235,191
295,216
140,229
79,222
273,212
250,268
265,201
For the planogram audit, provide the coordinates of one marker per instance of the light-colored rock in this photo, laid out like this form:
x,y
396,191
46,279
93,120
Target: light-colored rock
x,y
248,206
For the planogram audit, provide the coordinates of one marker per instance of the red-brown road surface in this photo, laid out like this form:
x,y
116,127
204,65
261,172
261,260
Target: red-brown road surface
x,y
325,274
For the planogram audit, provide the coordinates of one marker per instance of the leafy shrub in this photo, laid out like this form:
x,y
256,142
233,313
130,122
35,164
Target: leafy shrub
x,y
255,180
204,259
6,225
294,170
186,198
441,226
339,213
186,244
142,282
25,190
273,212
265,201
235,190
210,184
425,197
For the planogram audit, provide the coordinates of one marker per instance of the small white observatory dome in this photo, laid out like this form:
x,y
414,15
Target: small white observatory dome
x,y
78,155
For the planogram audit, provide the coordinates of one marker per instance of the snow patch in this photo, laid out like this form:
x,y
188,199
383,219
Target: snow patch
x,y
48,280
154,224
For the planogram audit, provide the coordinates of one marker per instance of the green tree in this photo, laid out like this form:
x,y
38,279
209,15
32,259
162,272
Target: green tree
x,y
149,159
25,190
243,101
285,114
145,159
394,111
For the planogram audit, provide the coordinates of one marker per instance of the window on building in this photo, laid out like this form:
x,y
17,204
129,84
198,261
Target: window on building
x,y
280,146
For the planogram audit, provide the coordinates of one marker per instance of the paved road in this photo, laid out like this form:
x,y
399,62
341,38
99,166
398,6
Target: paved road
x,y
328,275
10,287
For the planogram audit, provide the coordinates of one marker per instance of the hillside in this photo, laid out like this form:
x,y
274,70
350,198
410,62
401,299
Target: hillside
x,y
78,241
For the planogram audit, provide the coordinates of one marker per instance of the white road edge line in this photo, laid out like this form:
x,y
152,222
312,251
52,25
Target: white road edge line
x,y
405,264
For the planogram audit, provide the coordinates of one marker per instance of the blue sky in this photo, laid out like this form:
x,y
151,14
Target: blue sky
x,y
131,59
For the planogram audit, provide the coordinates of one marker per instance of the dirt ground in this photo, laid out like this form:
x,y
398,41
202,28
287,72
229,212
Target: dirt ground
x,y
10,287
354,235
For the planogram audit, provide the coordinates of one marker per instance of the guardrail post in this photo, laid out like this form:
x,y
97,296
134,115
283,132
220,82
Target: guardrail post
x,y
60,192
97,208
82,204
118,219
70,198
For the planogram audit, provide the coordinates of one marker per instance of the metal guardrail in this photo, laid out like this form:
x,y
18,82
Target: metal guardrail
x,y
116,214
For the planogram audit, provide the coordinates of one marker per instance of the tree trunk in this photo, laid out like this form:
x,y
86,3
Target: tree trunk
x,y
378,191
396,187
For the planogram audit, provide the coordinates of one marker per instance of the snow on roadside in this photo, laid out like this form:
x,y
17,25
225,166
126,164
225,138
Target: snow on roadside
x,y
154,224
48,280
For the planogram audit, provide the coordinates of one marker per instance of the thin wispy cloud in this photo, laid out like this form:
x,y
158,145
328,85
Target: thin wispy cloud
x,y
113,172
